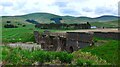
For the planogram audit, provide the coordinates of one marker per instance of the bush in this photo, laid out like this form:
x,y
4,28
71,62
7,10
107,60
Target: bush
x,y
64,57
79,63
88,63
8,21
18,56
38,56
10,26
24,25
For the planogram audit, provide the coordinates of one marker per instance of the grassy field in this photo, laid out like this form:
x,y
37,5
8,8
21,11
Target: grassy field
x,y
17,35
107,49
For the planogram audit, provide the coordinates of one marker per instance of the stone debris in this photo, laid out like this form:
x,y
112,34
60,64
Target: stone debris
x,y
30,47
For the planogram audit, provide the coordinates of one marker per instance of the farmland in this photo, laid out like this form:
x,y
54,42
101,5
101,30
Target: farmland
x,y
17,35
106,51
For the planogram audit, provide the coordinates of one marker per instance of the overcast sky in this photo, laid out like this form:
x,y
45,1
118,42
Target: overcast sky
x,y
89,8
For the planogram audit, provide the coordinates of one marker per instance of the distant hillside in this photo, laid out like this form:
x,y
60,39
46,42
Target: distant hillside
x,y
45,18
106,18
105,24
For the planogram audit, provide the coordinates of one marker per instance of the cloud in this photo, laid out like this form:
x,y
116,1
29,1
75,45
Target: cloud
x,y
103,10
86,9
60,4
6,4
89,8
70,12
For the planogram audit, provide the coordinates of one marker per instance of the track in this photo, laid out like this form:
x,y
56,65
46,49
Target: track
x,y
93,30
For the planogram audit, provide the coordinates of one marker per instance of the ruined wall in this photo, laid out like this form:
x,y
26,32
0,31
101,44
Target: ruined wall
x,y
71,45
83,44
70,41
49,42
107,35
37,36
77,40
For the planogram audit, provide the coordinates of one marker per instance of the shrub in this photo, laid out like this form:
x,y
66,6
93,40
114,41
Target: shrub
x,y
38,56
10,26
19,57
24,25
8,21
79,63
64,57
82,62
88,63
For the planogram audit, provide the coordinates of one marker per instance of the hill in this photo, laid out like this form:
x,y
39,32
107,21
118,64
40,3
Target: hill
x,y
45,18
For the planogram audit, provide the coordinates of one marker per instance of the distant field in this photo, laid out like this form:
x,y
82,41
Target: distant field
x,y
105,24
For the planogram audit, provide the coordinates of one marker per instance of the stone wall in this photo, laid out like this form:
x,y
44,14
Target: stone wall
x,y
77,40
48,42
70,41
107,35
80,36
37,36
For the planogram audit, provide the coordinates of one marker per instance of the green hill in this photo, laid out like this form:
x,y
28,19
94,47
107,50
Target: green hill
x,y
45,18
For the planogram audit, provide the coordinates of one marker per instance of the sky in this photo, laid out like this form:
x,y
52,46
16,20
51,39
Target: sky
x,y
88,8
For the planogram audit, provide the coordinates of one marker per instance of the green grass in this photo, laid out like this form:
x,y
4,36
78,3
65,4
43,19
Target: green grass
x,y
17,35
107,49
18,56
